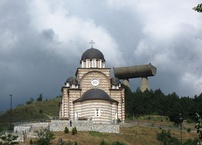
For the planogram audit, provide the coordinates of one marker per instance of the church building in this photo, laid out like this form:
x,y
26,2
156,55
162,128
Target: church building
x,y
93,94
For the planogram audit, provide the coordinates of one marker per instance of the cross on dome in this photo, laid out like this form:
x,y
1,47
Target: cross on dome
x,y
91,42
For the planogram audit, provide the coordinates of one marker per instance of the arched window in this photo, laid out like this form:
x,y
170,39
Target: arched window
x,y
100,63
103,64
94,63
87,63
82,64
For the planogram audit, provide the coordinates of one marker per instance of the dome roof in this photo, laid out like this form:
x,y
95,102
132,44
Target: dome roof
x,y
72,81
92,53
115,81
94,94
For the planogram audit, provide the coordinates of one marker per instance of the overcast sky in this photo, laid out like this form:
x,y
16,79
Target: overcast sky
x,y
41,43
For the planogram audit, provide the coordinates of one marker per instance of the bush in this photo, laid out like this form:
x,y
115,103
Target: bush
x,y
44,136
74,131
188,129
104,143
71,143
30,142
66,130
167,139
40,111
190,142
118,143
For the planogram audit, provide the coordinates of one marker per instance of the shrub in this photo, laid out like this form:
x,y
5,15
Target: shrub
x,y
40,111
71,143
74,131
66,130
167,139
104,143
30,142
118,143
44,136
188,129
191,142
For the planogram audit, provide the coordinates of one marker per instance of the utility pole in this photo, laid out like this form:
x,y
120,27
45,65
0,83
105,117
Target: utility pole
x,y
181,121
11,119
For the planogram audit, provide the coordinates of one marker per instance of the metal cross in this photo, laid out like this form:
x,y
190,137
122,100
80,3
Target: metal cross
x,y
91,42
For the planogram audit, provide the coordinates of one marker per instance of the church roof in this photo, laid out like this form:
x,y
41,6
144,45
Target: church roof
x,y
94,94
92,53
72,80
115,81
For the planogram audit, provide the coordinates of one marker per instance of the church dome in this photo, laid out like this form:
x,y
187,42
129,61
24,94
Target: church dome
x,y
92,53
115,81
72,81
94,94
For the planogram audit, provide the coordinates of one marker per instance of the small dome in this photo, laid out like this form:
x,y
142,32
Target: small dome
x,y
92,53
72,81
115,81
94,94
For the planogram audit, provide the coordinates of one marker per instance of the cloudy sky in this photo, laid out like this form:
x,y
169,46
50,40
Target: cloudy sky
x,y
41,43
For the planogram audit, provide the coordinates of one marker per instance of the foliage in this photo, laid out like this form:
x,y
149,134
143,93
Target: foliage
x,y
104,143
118,143
5,126
30,101
74,131
156,102
40,98
198,126
66,130
71,143
40,111
167,139
198,8
30,142
114,143
188,129
44,136
8,139
31,112
190,142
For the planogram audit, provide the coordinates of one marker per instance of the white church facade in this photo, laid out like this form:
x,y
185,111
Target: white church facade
x,y
93,94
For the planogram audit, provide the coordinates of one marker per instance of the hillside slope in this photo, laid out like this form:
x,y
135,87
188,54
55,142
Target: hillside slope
x,y
36,111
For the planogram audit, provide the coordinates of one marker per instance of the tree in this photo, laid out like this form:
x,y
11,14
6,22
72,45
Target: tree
x,y
30,101
74,131
198,126
66,130
198,8
40,98
44,136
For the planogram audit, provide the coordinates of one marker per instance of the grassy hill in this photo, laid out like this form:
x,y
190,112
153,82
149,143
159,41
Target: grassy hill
x,y
133,135
138,131
36,111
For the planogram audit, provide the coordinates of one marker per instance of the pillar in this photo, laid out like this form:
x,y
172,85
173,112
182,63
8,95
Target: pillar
x,y
144,84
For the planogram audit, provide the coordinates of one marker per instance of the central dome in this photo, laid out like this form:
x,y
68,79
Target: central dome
x,y
92,53
94,94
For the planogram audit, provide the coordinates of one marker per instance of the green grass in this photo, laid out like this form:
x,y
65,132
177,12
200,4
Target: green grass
x,y
37,111
98,134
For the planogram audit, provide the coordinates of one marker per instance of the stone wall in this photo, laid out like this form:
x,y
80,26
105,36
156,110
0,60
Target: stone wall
x,y
59,125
